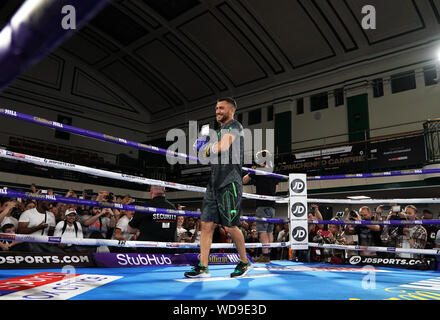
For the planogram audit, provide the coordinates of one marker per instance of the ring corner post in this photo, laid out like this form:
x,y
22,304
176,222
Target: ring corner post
x,y
297,210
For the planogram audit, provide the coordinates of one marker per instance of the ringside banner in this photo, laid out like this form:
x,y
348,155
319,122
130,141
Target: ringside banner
x,y
116,260
18,260
419,264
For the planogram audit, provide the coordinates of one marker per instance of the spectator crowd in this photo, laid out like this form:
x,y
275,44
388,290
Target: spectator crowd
x,y
32,217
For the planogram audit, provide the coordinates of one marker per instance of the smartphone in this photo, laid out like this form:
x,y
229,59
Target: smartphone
x,y
43,191
325,233
395,208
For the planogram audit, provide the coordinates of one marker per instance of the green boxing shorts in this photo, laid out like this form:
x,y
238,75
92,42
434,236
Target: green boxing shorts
x,y
222,206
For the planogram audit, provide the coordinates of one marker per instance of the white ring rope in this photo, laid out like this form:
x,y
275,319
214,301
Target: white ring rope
x,y
376,249
119,176
146,181
129,243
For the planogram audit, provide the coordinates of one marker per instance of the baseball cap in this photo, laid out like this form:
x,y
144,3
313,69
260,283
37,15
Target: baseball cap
x,y
70,211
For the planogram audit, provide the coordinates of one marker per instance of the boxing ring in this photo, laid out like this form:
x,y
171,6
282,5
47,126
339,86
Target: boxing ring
x,y
279,280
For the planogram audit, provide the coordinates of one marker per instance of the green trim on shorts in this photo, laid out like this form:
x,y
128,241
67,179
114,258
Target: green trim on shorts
x,y
229,205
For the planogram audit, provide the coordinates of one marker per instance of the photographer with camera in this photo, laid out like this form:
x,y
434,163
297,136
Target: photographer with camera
x,y
334,235
368,235
405,236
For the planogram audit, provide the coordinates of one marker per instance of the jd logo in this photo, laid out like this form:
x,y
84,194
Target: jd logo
x,y
297,186
355,260
299,234
298,209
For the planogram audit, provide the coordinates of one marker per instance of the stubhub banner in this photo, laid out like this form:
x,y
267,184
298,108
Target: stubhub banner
x,y
117,260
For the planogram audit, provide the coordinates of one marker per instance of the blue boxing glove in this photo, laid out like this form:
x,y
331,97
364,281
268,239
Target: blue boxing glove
x,y
200,143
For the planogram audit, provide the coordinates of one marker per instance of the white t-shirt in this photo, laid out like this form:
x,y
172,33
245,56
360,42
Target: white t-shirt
x,y
35,218
199,233
123,226
10,220
69,232
181,231
281,236
96,226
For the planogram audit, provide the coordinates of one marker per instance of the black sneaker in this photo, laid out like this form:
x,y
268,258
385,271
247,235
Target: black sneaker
x,y
242,269
198,271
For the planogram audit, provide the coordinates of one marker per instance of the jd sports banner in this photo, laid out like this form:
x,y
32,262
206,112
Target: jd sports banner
x,y
419,264
17,260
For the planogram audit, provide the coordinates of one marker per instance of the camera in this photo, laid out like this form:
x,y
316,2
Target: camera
x,y
109,197
88,193
395,215
395,209
15,212
353,214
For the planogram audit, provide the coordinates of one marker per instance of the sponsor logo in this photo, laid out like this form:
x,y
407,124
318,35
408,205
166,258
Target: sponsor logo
x,y
53,286
325,269
355,260
18,155
7,236
111,137
144,260
298,209
172,245
44,121
55,239
299,234
57,124
43,260
10,112
59,163
297,185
